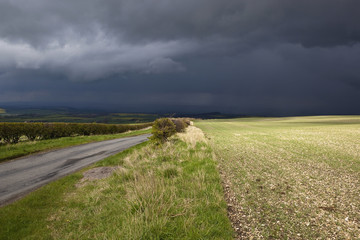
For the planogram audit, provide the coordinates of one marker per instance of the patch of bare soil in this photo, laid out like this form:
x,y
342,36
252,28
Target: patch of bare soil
x,y
234,209
95,174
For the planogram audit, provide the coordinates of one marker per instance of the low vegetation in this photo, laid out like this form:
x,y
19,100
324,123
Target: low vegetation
x,y
290,178
11,151
158,191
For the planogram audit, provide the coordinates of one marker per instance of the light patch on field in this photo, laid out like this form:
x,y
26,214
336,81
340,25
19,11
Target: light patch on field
x,y
2,110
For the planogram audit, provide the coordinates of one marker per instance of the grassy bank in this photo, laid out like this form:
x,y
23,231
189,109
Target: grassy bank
x,y
11,151
290,178
156,192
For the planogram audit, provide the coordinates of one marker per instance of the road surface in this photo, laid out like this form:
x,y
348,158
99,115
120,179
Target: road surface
x,y
21,176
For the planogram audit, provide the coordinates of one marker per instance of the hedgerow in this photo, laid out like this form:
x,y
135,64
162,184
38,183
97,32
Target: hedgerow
x,y
12,132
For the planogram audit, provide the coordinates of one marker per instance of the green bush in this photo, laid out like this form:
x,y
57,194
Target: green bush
x,y
162,129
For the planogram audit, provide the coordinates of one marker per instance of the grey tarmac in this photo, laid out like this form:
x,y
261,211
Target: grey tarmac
x,y
21,176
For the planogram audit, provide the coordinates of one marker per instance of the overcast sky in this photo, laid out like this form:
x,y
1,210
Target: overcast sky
x,y
237,56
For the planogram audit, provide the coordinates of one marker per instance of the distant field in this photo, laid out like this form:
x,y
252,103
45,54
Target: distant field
x,y
292,178
70,115
2,110
39,115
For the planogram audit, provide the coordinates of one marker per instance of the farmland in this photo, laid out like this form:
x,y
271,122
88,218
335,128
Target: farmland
x,y
290,178
282,178
70,115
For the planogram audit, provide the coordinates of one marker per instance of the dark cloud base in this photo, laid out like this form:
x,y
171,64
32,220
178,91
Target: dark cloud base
x,y
265,57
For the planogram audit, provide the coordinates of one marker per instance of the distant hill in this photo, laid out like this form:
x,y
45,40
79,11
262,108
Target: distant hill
x,y
210,115
63,114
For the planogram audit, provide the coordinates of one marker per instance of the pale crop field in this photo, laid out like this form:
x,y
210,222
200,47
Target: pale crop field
x,y
290,178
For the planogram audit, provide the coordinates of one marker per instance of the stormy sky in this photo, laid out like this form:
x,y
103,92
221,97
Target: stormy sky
x,y
264,57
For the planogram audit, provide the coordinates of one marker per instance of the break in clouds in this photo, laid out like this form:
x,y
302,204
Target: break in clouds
x,y
237,53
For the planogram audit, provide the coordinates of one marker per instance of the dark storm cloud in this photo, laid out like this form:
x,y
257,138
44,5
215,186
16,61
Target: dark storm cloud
x,y
322,22
233,55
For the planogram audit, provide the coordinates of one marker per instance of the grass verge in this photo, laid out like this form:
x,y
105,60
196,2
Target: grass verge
x,y
11,151
172,191
290,178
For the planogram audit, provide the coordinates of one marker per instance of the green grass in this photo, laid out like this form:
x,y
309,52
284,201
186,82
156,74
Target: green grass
x,y
172,191
11,151
292,178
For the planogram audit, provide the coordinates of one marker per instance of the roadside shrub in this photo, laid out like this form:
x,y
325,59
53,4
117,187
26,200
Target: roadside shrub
x,y
180,124
162,129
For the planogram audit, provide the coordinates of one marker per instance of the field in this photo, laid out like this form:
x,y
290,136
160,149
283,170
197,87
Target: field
x,y
70,115
169,191
290,178
275,178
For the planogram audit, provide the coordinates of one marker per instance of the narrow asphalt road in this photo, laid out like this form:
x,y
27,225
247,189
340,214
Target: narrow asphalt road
x,y
21,176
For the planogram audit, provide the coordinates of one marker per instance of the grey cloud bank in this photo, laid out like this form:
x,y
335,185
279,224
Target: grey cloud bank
x,y
251,57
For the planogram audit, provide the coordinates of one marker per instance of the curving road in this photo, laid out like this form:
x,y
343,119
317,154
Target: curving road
x,y
21,176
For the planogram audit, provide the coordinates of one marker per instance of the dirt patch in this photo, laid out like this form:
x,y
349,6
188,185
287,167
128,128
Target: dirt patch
x,y
234,209
99,173
95,174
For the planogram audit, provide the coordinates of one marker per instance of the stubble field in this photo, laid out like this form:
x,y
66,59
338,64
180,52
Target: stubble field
x,y
290,178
